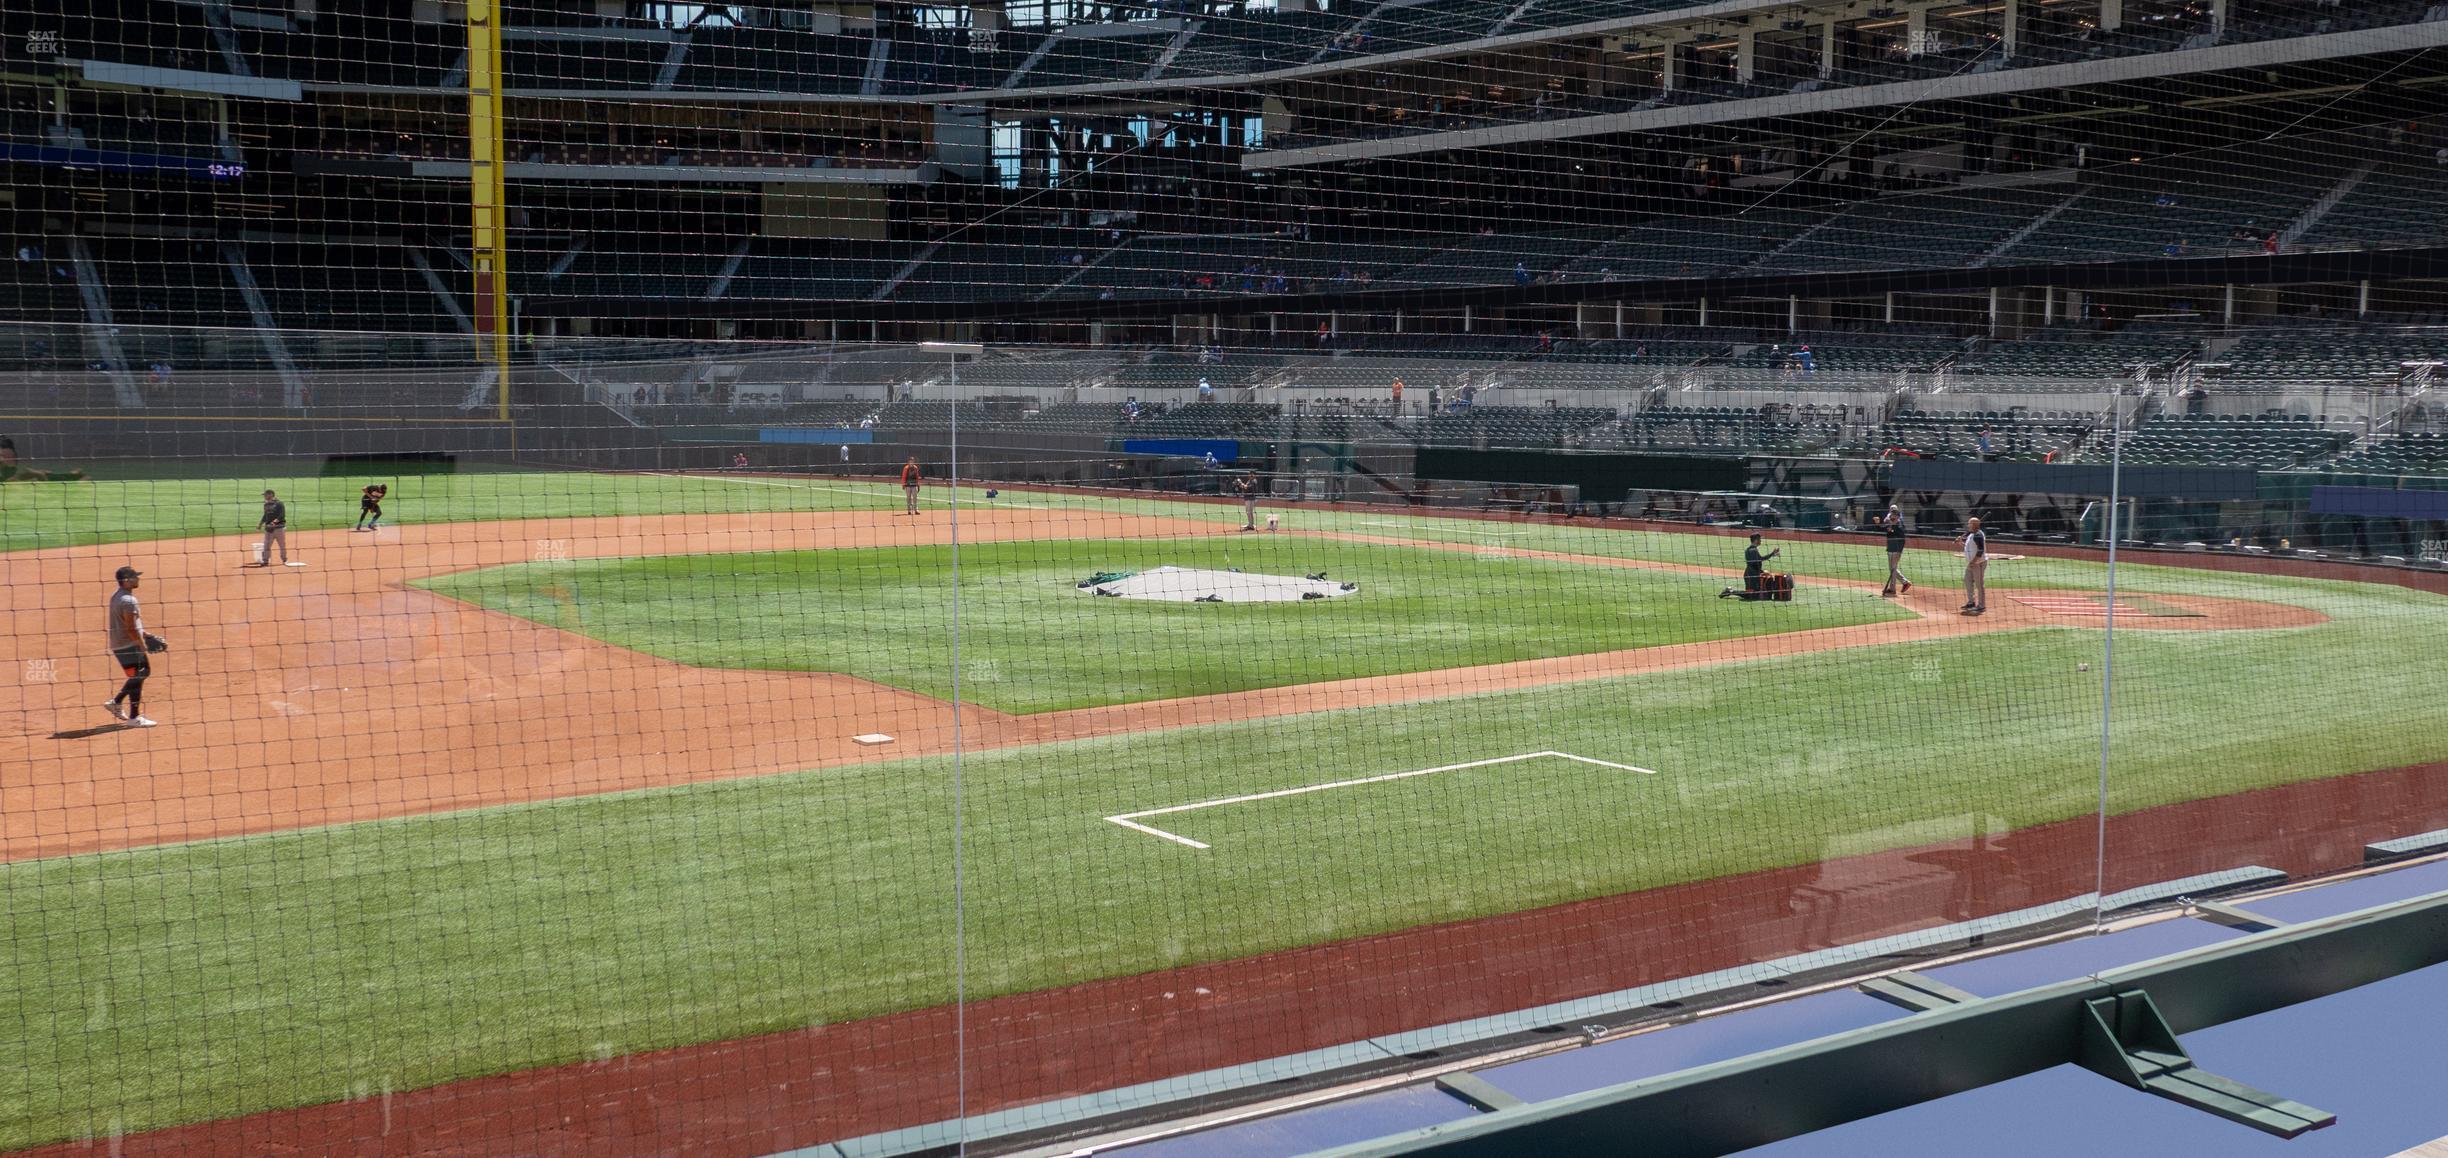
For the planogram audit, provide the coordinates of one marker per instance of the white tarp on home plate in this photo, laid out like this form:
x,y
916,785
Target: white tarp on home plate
x,y
1198,585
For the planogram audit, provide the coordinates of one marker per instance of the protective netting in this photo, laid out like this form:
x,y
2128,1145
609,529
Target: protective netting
x,y
681,725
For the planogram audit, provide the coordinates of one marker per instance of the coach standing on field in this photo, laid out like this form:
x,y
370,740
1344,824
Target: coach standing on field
x,y
909,482
275,528
1976,568
1893,524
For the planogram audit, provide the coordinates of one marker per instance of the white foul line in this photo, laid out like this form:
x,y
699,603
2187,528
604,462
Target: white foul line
x,y
1130,819
876,491
1415,527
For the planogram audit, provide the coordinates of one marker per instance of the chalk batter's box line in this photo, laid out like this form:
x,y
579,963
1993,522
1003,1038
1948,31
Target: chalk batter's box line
x,y
1130,820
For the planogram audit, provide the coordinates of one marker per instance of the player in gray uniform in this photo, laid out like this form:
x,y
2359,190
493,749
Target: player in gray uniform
x,y
130,645
275,527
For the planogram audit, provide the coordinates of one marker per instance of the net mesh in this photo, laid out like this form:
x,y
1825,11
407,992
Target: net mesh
x,y
692,700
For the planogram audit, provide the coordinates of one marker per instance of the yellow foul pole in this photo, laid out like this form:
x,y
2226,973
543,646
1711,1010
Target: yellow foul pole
x,y
488,150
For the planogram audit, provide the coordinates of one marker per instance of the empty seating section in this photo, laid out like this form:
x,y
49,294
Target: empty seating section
x,y
591,63
806,269
1034,377
168,282
2267,442
1730,429
930,415
2416,453
351,285
974,271
41,284
1199,420
1564,13
1434,22
2014,435
1076,59
1068,418
1952,227
1182,264
1498,258
1666,348
1509,425
772,60
1682,247
2074,355
348,46
848,412
603,272
2397,202
1371,378
2185,206
1256,42
1161,372
1842,352
157,33
2327,356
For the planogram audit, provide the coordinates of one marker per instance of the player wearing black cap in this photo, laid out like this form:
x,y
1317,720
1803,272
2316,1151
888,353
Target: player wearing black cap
x,y
131,645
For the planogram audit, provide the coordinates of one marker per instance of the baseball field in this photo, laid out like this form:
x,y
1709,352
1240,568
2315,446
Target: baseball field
x,y
559,769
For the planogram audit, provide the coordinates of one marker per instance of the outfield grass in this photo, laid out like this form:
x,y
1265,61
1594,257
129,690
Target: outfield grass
x,y
175,984
1031,642
36,515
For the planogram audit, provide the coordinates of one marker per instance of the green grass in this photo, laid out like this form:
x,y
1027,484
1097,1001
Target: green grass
x,y
151,987
1031,642
34,515
196,981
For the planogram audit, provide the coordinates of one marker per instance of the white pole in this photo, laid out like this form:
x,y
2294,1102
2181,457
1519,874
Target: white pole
x,y
2116,487
960,908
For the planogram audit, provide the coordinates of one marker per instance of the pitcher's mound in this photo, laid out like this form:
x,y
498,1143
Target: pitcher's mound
x,y
1199,585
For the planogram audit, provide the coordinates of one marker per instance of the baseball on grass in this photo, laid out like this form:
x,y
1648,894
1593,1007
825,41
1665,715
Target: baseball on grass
x,y
2082,667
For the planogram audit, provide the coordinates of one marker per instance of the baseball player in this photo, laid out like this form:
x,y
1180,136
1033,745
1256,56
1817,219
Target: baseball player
x,y
1246,488
1976,568
909,482
1893,524
369,506
275,527
131,645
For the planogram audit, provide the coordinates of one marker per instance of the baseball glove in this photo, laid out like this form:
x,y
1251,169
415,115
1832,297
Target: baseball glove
x,y
155,643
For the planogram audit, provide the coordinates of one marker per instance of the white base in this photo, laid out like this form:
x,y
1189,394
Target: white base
x,y
871,739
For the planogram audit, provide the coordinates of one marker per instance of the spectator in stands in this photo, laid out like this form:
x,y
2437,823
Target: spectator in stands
x,y
1521,274
1206,389
1988,450
1396,391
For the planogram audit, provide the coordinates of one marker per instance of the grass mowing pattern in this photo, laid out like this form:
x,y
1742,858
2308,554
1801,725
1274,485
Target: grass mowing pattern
x,y
1032,643
176,984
